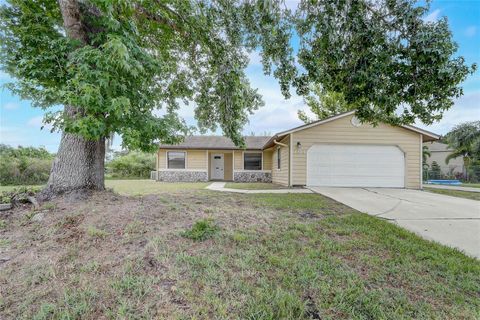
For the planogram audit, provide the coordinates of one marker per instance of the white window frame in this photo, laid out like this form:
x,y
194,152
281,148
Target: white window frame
x,y
243,161
166,159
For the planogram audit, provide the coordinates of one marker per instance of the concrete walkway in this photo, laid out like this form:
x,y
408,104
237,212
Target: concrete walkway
x,y
459,188
451,221
220,186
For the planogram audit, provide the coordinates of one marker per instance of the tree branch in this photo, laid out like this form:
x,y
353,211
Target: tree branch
x,y
157,18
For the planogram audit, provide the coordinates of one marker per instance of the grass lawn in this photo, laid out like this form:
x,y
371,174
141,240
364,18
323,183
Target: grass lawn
x,y
136,187
142,187
471,185
254,186
456,193
182,252
10,188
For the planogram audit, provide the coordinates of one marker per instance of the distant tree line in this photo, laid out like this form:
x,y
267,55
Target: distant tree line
x,y
31,165
464,140
24,165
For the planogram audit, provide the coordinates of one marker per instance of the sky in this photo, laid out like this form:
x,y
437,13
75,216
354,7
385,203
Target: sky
x,y
20,123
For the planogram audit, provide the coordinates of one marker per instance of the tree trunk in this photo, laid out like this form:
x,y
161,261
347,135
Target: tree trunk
x,y
79,165
72,21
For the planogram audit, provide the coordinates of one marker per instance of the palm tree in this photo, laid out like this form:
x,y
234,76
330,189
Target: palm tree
x,y
464,139
425,155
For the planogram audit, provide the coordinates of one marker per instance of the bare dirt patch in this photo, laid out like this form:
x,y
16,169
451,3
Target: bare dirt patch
x,y
286,256
80,243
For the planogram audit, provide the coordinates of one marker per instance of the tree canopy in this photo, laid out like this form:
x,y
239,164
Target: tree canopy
x,y
143,56
140,61
323,104
388,62
464,139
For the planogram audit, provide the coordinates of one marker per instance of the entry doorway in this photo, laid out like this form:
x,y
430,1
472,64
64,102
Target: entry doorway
x,y
218,166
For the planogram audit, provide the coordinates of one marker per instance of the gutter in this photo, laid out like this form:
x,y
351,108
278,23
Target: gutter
x,y
279,143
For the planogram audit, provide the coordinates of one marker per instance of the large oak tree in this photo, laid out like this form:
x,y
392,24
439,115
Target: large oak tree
x,y
113,64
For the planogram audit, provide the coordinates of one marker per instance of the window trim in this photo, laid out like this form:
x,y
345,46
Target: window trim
x,y
184,159
261,161
279,158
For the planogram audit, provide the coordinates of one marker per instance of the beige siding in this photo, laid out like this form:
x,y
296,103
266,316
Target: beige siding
x,y
209,165
195,159
342,131
228,167
267,160
280,176
238,160
161,161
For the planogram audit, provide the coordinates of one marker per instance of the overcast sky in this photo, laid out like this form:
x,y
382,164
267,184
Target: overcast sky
x,y
20,123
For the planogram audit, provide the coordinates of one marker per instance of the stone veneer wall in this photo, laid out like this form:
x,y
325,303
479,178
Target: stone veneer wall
x,y
181,176
252,176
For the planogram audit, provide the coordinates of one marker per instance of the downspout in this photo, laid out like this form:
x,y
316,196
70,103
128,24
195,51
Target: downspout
x,y
290,162
286,146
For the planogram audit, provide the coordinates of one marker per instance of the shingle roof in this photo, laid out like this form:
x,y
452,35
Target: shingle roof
x,y
265,142
218,142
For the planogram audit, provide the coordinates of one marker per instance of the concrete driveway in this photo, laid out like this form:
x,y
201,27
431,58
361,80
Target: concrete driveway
x,y
449,220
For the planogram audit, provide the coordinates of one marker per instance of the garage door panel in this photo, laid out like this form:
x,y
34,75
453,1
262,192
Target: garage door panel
x,y
355,166
373,182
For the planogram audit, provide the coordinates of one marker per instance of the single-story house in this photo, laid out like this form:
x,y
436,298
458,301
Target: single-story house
x,y
439,153
337,151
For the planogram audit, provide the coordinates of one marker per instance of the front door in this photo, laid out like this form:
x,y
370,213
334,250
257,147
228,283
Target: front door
x,y
217,167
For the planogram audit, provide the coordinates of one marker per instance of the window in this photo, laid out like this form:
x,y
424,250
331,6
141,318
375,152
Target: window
x,y
252,161
279,158
176,160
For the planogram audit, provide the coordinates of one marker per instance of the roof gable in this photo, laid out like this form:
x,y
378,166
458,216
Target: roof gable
x,y
426,134
264,142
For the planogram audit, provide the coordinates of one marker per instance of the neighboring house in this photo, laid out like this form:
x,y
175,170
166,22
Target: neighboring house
x,y
438,153
337,151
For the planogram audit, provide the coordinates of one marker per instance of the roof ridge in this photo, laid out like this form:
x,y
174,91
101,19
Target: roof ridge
x,y
218,142
222,136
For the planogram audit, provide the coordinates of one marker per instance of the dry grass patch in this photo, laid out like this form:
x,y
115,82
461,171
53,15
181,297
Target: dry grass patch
x,y
254,186
144,187
455,193
194,253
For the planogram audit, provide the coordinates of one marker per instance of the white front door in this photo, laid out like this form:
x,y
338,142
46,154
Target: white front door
x,y
338,165
218,165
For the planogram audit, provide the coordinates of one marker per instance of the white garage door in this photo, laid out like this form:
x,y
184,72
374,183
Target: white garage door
x,y
338,165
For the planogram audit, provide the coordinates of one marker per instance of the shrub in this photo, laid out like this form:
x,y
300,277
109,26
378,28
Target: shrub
x,y
18,194
201,230
27,152
473,171
134,164
435,171
20,166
